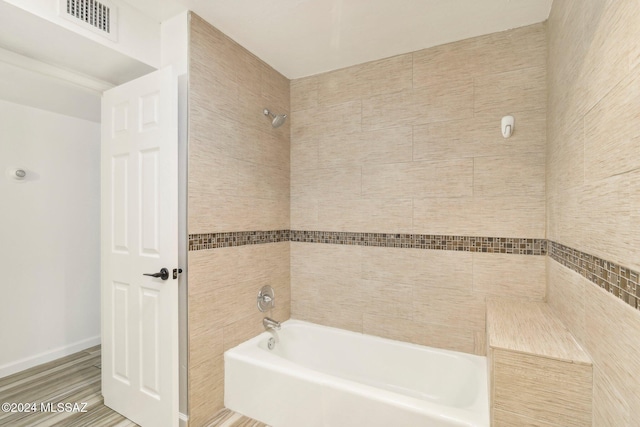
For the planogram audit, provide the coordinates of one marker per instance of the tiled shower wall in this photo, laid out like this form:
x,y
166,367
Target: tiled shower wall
x,y
593,192
238,181
412,144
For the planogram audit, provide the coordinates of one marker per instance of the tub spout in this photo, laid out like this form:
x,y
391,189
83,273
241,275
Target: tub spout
x,y
269,323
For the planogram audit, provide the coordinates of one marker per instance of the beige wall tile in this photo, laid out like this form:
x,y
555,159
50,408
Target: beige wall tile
x,y
205,345
565,294
344,317
498,52
609,405
456,216
303,296
632,260
260,181
509,419
606,59
445,63
439,336
387,298
336,183
387,326
480,343
444,101
304,155
339,86
327,119
604,209
365,215
373,78
521,216
328,300
206,390
304,213
304,93
416,179
266,262
386,75
507,176
390,145
210,213
449,337
565,160
518,90
388,110
418,267
210,268
480,136
243,329
542,389
508,275
453,308
265,146
610,134
612,329
337,261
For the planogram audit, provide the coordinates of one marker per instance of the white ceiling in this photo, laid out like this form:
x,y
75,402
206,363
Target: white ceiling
x,y
305,37
54,44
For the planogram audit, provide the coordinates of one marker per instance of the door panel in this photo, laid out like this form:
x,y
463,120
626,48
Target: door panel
x,y
140,235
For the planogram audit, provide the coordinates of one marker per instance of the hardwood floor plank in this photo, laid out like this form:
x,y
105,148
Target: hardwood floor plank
x,y
71,379
61,363
76,379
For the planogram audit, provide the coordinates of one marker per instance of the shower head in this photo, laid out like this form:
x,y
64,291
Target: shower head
x,y
277,119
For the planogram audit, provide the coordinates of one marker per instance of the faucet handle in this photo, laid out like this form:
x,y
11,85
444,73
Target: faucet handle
x,y
266,298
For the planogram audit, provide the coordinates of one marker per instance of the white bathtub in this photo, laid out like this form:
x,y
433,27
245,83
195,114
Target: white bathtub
x,y
327,377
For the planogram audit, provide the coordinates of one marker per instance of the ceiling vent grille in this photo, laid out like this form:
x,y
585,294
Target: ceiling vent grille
x,y
98,16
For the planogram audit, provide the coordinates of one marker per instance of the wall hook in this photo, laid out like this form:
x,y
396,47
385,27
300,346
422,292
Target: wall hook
x,y
508,123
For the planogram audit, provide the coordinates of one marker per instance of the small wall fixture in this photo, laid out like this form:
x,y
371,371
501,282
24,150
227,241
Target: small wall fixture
x,y
16,173
508,123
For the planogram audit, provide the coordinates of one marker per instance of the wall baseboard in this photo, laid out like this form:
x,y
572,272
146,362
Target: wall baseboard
x,y
48,356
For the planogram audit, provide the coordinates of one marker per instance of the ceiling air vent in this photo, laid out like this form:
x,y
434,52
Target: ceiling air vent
x,y
100,17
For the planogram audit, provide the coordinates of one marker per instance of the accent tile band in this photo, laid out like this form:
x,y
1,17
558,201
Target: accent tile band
x,y
614,278
501,245
199,242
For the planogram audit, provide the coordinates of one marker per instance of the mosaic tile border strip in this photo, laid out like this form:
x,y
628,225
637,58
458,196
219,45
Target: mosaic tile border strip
x,y
199,242
620,281
500,245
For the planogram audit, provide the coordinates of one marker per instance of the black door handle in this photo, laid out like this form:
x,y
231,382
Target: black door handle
x,y
163,274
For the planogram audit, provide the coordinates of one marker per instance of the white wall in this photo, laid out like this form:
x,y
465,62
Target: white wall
x,y
49,236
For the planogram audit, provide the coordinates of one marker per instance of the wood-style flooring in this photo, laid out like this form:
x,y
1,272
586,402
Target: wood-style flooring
x,y
228,418
71,379
76,379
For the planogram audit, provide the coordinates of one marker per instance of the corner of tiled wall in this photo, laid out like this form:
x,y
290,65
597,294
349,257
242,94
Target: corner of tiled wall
x,y
593,195
238,203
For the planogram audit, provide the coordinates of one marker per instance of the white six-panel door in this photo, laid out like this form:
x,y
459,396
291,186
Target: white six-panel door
x,y
140,235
